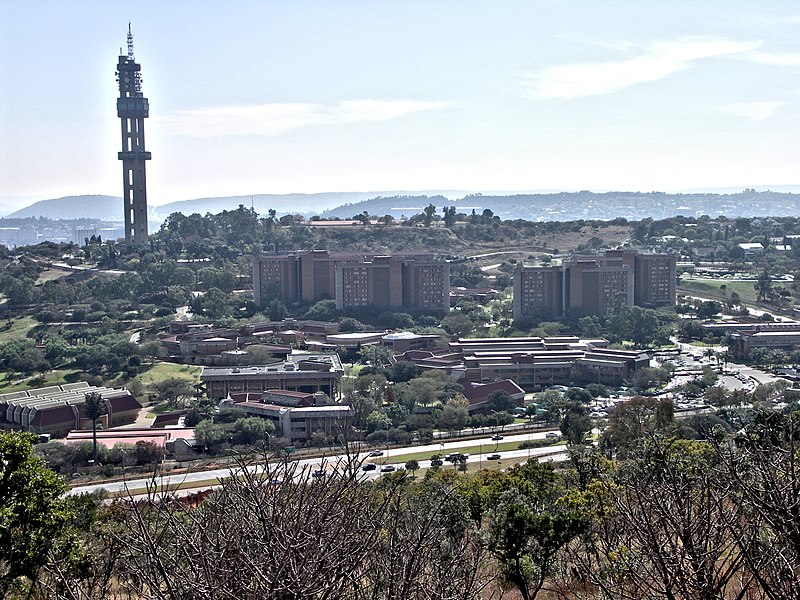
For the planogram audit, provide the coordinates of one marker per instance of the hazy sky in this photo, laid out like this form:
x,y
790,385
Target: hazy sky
x,y
255,97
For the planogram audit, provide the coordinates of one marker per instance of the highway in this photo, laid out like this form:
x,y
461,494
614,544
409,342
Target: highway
x,y
200,480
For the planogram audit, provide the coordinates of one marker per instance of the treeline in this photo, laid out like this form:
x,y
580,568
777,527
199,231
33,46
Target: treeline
x,y
662,518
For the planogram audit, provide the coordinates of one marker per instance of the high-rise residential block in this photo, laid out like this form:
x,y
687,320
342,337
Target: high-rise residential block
x,y
391,282
593,283
538,291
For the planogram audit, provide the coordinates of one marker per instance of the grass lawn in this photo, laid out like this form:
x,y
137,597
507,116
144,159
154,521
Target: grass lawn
x,y
16,329
58,377
745,289
163,371
50,274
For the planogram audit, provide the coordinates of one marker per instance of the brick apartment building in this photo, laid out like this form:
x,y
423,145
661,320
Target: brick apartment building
x,y
354,280
592,283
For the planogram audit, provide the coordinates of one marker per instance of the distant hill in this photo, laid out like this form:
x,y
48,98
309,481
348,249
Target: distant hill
x,y
109,208
559,206
106,208
305,204
569,206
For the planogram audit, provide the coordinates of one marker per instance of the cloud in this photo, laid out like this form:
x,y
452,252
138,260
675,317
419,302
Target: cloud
x,y
657,61
274,119
751,110
765,58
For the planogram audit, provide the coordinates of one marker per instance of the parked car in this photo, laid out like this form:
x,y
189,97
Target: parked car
x,y
493,457
369,467
497,438
388,468
376,453
455,457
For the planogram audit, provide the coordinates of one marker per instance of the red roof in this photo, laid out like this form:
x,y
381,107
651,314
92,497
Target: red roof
x,y
477,393
54,415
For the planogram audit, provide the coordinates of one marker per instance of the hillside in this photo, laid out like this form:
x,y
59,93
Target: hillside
x,y
108,208
562,206
569,206
282,203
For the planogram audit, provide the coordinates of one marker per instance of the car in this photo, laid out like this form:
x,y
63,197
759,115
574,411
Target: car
x,y
388,468
551,435
318,473
456,457
369,467
376,453
497,438
437,462
493,457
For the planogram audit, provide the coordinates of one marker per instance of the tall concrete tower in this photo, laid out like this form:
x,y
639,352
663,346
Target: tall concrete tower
x,y
133,109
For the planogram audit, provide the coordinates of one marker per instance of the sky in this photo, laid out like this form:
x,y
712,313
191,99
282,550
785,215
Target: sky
x,y
257,97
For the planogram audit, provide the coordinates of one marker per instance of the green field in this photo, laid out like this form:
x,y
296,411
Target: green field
x,y
16,329
57,377
51,274
164,371
711,287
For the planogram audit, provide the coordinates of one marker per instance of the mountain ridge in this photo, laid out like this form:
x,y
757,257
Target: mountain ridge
x,y
553,206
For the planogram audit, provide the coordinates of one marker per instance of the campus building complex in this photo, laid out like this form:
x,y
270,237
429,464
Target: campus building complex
x,y
591,284
772,336
58,409
299,372
407,282
297,416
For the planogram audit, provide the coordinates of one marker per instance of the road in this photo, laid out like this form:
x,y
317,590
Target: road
x,y
206,479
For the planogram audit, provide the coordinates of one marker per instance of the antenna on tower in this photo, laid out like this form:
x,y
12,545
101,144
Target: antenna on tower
x,y
130,41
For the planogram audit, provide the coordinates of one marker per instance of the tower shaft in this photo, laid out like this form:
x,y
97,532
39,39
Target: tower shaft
x,y
132,109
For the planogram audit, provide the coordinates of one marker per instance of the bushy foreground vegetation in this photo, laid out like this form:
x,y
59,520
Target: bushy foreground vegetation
x,y
666,518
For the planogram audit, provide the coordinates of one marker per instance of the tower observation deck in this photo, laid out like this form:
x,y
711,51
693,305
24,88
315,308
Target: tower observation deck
x,y
133,109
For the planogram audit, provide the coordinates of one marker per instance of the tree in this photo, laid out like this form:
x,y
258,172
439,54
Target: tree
x,y
454,414
449,215
760,467
579,394
708,309
576,423
375,354
32,512
352,540
429,212
672,529
252,430
324,310
632,420
276,310
94,407
763,286
501,401
413,466
170,390
258,354
530,526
